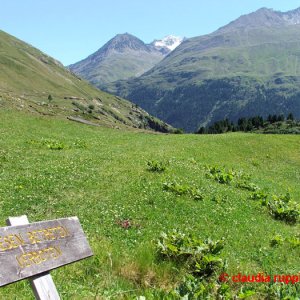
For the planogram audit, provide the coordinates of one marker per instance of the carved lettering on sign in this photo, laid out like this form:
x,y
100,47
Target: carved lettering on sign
x,y
37,257
11,241
47,234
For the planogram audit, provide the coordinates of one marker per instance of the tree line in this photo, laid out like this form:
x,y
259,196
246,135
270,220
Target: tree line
x,y
244,124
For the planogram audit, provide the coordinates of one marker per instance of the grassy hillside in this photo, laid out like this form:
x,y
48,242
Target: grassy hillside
x,y
29,76
235,73
117,66
101,175
123,66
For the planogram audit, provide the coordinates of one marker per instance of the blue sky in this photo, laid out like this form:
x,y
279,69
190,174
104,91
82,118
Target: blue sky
x,y
70,30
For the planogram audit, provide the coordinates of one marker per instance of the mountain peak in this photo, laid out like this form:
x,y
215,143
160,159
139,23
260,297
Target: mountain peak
x,y
264,17
124,41
264,10
121,57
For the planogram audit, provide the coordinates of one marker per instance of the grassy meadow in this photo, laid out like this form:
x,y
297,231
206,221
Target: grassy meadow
x,y
52,168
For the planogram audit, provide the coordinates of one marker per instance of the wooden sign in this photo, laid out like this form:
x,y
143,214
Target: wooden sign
x,y
31,249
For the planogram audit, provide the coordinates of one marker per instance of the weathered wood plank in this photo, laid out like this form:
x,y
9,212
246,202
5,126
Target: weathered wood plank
x,y
42,285
28,250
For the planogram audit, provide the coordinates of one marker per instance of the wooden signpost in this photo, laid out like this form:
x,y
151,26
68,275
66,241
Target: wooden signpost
x,y
31,250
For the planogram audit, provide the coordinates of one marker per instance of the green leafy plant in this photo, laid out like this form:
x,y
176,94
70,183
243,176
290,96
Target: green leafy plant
x,y
259,195
79,143
247,185
283,208
276,240
282,291
219,199
177,188
245,293
52,144
55,145
183,189
206,265
201,257
196,193
193,288
294,241
220,174
157,166
225,176
280,207
228,176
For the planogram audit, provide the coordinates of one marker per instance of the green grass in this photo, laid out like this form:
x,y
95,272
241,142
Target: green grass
x,y
101,176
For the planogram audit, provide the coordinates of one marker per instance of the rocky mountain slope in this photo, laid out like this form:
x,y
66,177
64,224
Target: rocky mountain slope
x,y
32,81
122,57
250,66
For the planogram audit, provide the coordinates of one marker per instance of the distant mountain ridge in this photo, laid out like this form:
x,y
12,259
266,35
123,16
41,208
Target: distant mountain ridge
x,y
250,66
34,82
122,57
264,17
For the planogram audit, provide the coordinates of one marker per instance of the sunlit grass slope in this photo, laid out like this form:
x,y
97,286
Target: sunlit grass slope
x,y
51,169
30,80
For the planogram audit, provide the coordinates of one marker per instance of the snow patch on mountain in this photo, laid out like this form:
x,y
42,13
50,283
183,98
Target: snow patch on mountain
x,y
170,42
